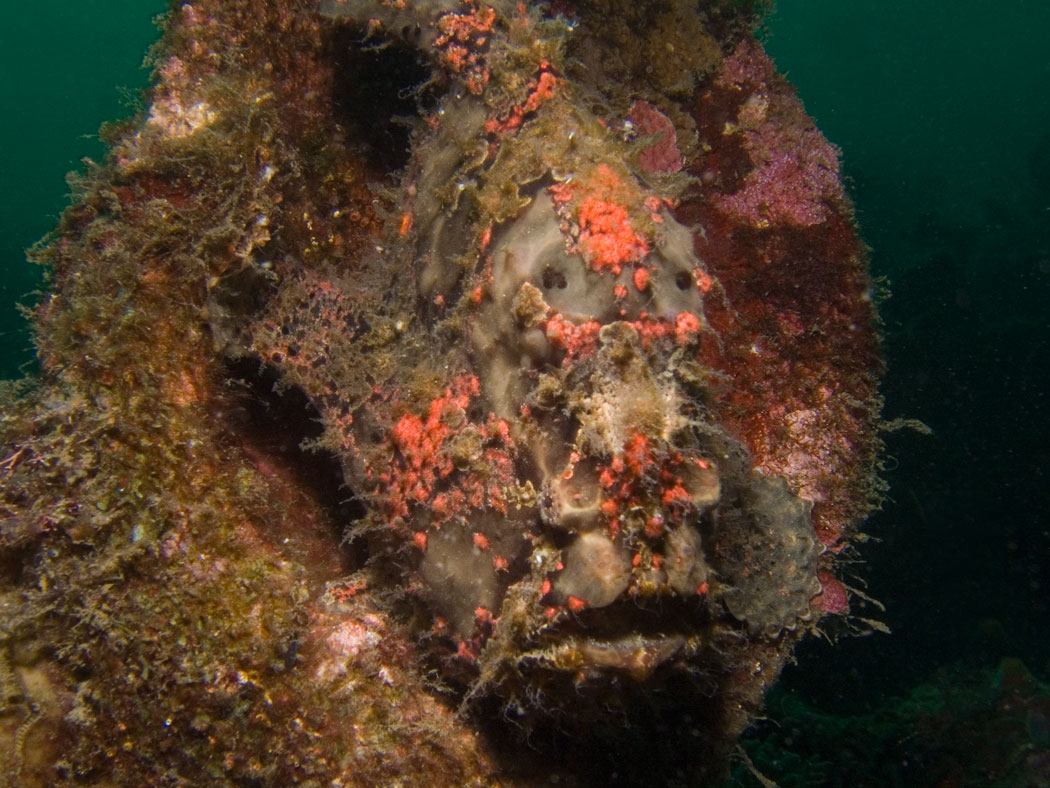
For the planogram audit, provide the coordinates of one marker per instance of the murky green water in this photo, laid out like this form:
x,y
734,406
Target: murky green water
x,y
65,68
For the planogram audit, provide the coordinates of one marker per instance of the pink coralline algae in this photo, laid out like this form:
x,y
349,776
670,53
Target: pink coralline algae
x,y
833,597
794,173
661,154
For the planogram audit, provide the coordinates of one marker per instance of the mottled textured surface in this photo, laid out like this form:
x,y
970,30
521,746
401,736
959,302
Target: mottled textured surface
x,y
584,354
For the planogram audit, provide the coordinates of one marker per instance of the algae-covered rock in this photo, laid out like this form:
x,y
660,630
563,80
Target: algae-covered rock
x,y
433,393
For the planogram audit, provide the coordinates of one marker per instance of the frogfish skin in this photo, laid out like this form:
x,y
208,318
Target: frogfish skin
x,y
604,378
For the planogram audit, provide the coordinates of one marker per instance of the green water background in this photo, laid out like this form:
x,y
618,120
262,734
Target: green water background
x,y
65,68
942,110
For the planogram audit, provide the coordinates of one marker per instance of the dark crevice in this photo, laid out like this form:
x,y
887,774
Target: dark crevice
x,y
278,422
15,563
624,619
382,86
665,731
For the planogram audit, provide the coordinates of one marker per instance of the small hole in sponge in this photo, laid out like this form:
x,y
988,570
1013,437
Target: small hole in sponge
x,y
683,280
553,279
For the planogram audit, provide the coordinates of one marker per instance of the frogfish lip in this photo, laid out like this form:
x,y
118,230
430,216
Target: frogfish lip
x,y
635,655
